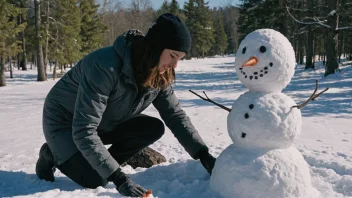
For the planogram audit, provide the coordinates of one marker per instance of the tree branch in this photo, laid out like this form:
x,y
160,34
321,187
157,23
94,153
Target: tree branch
x,y
307,23
301,10
209,100
312,97
344,28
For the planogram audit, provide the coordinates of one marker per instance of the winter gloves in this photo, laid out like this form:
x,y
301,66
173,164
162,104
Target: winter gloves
x,y
207,160
125,185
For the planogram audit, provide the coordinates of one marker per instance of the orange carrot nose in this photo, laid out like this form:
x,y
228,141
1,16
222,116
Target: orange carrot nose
x,y
147,194
251,62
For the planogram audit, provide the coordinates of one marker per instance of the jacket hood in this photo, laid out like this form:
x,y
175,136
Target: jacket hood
x,y
122,46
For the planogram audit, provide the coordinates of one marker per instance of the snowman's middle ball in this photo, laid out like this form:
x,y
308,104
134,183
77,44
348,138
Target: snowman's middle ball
x,y
264,120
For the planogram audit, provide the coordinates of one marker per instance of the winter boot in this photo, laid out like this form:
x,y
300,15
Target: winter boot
x,y
45,166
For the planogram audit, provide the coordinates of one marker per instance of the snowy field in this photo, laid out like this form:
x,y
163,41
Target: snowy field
x,y
326,140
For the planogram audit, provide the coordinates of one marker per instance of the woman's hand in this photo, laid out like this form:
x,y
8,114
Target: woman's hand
x,y
126,186
207,160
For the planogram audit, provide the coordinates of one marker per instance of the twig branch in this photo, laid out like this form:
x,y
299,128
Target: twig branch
x,y
307,23
317,95
209,100
344,28
301,10
312,97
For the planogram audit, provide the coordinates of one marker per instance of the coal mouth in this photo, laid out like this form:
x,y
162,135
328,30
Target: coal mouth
x,y
243,135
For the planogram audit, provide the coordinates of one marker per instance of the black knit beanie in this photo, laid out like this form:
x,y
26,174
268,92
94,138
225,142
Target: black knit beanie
x,y
169,32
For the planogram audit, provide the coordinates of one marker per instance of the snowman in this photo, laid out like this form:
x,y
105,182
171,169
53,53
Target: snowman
x,y
263,124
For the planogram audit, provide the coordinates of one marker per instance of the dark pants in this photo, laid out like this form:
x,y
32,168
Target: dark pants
x,y
127,139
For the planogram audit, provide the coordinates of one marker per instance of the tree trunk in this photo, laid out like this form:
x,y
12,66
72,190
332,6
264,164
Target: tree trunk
x,y
40,58
340,45
54,71
22,55
283,4
295,41
145,159
315,47
332,40
18,62
325,46
23,62
34,60
309,56
301,49
2,72
47,37
310,37
11,71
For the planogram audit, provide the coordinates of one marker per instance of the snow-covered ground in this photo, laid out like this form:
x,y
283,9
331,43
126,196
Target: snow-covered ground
x,y
326,140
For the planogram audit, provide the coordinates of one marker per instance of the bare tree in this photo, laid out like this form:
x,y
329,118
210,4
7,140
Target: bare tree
x,y
119,18
140,14
113,16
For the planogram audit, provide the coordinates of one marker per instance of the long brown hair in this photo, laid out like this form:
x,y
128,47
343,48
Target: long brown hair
x,y
145,59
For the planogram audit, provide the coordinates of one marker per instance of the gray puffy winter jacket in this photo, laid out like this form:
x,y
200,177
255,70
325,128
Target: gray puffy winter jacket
x,y
96,95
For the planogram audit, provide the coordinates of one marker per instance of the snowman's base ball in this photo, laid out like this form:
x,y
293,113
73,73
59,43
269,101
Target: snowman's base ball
x,y
249,173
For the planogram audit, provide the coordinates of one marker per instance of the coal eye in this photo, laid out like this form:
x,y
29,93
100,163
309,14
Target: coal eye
x,y
262,49
244,50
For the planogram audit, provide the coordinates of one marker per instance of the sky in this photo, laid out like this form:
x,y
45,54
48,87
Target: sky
x,y
212,3
325,141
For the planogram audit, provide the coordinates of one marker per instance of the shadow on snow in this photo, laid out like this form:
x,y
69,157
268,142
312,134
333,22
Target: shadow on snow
x,y
335,102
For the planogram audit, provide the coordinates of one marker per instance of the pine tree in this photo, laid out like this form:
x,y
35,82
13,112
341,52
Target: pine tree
x,y
257,14
9,45
165,8
230,15
174,8
65,44
220,44
249,20
200,24
92,30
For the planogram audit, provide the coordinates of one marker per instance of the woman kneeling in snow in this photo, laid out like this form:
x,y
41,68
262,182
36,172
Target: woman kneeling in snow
x,y
100,100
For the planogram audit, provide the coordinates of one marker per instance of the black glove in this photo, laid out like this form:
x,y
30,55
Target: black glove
x,y
125,185
207,160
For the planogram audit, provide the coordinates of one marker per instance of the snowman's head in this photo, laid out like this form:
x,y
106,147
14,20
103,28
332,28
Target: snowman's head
x,y
265,61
